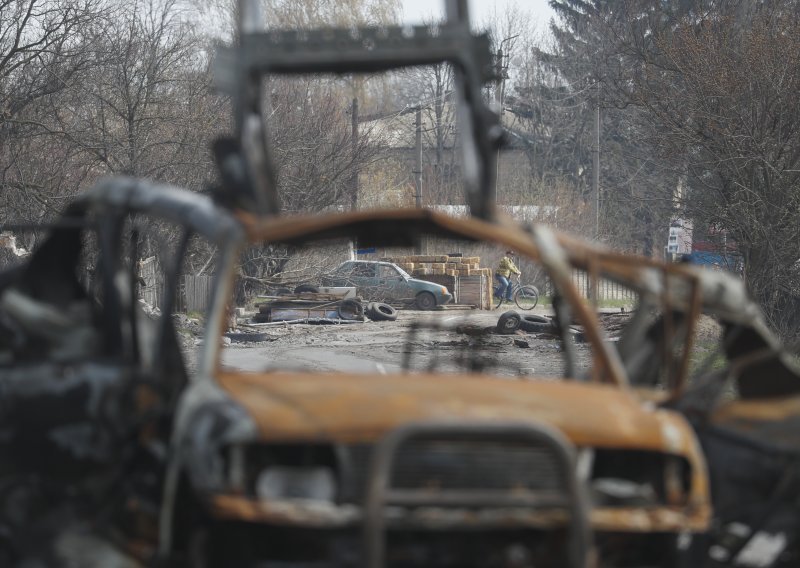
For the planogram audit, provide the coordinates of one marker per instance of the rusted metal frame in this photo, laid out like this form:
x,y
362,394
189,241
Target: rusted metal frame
x,y
133,299
673,484
197,214
593,272
555,261
167,202
361,50
688,344
380,494
222,287
109,233
487,498
668,326
562,321
171,285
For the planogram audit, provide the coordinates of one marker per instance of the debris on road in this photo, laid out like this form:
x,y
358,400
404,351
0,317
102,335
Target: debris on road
x,y
309,307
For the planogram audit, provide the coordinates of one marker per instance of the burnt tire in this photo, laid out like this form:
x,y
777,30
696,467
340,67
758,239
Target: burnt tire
x,y
541,328
508,322
425,301
352,310
533,323
378,311
306,288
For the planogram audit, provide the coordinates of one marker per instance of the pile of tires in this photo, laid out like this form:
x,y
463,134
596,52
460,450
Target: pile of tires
x,y
511,321
351,310
378,311
508,323
537,324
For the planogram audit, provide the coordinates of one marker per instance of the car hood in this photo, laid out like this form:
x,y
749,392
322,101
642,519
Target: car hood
x,y
360,408
424,283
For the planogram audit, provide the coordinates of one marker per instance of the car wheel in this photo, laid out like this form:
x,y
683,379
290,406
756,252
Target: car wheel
x,y
425,301
306,288
508,322
351,310
381,312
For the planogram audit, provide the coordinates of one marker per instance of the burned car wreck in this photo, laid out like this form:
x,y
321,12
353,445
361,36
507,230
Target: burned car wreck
x,y
633,456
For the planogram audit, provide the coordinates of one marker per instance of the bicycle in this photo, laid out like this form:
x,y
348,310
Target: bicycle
x,y
525,296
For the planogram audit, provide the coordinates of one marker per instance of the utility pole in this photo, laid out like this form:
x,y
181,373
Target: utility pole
x,y
498,98
354,141
596,165
418,167
418,158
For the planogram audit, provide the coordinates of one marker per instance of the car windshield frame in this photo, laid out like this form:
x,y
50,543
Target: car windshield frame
x,y
402,272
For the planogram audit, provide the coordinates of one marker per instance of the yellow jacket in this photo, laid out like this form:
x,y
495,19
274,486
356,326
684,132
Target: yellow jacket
x,y
506,267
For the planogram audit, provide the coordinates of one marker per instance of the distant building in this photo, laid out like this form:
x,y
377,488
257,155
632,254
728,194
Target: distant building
x,y
680,238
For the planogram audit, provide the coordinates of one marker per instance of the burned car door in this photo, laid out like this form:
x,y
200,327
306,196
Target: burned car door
x,y
90,376
746,417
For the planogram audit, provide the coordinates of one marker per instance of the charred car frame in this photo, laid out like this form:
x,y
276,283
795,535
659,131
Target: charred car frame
x,y
625,464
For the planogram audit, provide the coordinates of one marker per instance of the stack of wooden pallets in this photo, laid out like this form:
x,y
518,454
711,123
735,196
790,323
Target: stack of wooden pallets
x,y
463,275
427,265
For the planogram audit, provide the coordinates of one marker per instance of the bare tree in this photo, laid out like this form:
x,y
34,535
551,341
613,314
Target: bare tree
x,y
723,101
45,48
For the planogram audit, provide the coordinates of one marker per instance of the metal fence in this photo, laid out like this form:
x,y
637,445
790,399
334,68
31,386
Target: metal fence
x,y
606,289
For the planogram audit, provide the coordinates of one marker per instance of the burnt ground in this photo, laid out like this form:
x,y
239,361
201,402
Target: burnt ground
x,y
449,341
445,341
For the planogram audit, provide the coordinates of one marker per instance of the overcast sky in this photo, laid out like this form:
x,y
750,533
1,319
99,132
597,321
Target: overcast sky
x,y
415,11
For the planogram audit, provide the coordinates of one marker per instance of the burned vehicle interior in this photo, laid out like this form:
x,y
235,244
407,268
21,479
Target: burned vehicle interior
x,y
630,452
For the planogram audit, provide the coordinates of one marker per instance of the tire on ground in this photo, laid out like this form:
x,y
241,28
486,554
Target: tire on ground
x,y
541,328
351,310
508,322
425,301
533,323
378,311
283,292
306,288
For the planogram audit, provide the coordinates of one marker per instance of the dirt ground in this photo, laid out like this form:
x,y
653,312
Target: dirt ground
x,y
449,341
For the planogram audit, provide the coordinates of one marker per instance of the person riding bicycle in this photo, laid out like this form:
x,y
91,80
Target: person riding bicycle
x,y
503,275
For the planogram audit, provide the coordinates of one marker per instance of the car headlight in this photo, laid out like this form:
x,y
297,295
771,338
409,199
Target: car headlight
x,y
444,291
285,482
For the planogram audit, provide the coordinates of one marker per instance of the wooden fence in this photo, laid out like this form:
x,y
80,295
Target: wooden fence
x,y
192,295
196,293
151,287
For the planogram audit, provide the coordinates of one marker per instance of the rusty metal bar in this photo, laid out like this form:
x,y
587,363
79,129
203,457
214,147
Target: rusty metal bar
x,y
380,493
688,345
669,329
